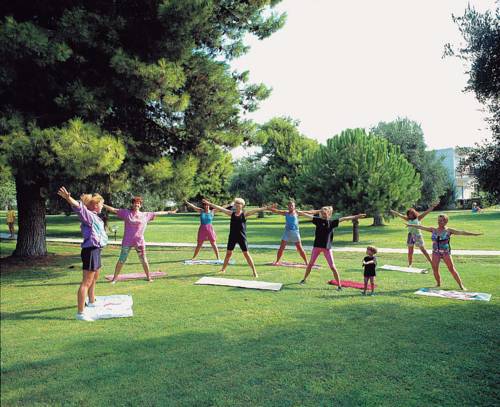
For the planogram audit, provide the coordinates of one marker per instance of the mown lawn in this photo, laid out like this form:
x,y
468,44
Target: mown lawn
x,y
193,345
183,228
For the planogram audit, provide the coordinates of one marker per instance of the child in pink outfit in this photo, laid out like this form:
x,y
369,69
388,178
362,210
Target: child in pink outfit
x,y
133,237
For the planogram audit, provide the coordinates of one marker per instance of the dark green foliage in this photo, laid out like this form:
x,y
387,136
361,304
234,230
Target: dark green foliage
x,y
246,181
408,135
356,172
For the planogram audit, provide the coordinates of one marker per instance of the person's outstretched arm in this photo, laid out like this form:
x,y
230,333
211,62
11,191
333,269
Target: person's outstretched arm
x,y
352,217
110,208
420,227
306,213
194,207
219,208
254,211
66,195
273,209
165,212
431,208
310,212
399,214
463,232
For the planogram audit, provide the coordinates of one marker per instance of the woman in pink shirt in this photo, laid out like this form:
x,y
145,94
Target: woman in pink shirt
x,y
135,225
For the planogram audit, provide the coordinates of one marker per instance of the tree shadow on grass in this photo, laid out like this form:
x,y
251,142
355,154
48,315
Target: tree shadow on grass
x,y
408,355
34,314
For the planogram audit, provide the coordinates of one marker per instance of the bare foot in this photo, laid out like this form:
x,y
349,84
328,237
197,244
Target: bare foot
x,y
222,271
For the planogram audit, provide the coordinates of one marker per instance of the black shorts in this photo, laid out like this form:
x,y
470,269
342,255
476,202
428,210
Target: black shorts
x,y
91,258
370,273
242,242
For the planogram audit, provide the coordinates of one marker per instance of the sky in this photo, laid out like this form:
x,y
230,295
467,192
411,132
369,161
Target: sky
x,y
340,64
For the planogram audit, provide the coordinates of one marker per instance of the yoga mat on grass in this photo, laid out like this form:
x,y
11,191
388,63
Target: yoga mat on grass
x,y
257,285
455,295
404,269
291,264
111,306
136,276
195,262
351,284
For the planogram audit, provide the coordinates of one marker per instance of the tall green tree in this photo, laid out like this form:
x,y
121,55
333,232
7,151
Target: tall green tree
x,y
283,153
246,180
359,173
155,74
481,52
409,136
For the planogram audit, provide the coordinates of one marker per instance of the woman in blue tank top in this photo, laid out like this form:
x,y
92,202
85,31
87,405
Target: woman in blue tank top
x,y
441,248
291,233
206,230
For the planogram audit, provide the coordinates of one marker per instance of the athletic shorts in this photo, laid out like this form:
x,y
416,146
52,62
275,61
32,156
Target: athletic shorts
x,y
291,236
141,252
369,273
231,244
441,252
206,232
91,258
415,240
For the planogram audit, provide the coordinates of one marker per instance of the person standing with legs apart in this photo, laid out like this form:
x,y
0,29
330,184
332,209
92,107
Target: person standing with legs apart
x,y
94,239
133,237
237,231
291,233
441,248
369,265
206,230
414,236
323,239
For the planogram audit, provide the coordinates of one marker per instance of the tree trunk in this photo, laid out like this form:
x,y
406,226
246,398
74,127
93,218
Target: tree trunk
x,y
355,230
378,220
31,220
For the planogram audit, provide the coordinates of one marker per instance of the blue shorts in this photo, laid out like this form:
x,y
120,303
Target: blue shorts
x,y
91,258
292,236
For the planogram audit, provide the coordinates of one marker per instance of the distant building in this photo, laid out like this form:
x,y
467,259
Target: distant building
x,y
465,183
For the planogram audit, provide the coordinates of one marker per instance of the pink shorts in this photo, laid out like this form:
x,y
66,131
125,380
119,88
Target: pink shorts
x,y
328,255
206,232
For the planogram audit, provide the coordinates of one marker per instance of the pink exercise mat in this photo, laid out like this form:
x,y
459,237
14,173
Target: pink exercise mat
x,y
351,284
291,264
136,276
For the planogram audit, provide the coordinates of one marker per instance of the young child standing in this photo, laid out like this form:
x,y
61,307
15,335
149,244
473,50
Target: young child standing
x,y
133,237
11,218
323,239
369,264
94,239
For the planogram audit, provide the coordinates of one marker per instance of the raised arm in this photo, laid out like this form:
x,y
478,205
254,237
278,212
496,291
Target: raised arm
x,y
110,209
165,212
399,215
353,217
219,208
420,227
194,207
306,213
431,208
463,232
273,209
66,195
254,211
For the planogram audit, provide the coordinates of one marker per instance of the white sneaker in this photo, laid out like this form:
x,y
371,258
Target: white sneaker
x,y
113,282
83,317
91,305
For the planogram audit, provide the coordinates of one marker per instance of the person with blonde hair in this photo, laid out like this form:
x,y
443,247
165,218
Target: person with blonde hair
x,y
323,239
237,230
94,239
441,248
133,236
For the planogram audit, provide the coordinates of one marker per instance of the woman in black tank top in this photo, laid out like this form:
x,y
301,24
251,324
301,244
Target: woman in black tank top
x,y
237,231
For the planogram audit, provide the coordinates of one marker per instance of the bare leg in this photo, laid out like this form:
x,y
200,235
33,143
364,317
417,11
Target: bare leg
x,y
426,254
92,287
118,269
250,263
372,282
451,267
435,269
83,289
410,255
301,251
280,251
197,250
145,266
216,249
229,253
11,229
366,285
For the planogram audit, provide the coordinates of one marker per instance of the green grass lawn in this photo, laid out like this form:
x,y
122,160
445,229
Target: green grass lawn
x,y
184,227
193,345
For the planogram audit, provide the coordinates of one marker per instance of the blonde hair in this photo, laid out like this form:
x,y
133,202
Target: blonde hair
x,y
373,249
239,201
327,209
445,217
90,201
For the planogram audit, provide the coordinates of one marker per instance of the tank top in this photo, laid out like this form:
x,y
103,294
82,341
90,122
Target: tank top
x,y
441,240
238,227
292,222
414,231
206,218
